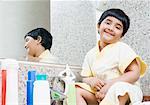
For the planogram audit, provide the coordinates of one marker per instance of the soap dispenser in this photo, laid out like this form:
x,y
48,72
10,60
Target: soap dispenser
x,y
68,77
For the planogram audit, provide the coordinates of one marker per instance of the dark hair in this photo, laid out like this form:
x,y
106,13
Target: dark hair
x,y
120,15
47,38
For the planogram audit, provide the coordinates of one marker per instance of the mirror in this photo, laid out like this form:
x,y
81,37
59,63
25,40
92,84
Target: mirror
x,y
17,18
70,42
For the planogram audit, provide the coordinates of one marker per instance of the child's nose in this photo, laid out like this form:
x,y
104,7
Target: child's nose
x,y
111,28
25,46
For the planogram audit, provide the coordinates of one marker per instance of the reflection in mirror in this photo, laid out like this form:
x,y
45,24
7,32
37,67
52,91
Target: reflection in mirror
x,y
17,18
38,44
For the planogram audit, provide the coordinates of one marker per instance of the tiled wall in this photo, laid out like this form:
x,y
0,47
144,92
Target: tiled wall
x,y
73,28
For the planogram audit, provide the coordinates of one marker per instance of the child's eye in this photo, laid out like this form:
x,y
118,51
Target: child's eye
x,y
118,28
107,22
27,40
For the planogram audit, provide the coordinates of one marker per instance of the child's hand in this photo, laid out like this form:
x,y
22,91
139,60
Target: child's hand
x,y
99,96
95,83
102,92
105,88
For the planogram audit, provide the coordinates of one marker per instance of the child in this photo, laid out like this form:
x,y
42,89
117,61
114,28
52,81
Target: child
x,y
38,43
111,69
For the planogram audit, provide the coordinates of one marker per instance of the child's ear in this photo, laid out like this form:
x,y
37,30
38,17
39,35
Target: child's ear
x,y
39,39
98,26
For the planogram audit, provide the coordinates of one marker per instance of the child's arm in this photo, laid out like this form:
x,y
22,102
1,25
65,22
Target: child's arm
x,y
131,75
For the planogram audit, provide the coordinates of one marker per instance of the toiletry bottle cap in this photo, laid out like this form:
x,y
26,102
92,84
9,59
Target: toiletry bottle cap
x,y
41,77
31,75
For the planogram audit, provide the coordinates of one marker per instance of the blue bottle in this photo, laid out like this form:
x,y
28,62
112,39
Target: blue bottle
x,y
30,81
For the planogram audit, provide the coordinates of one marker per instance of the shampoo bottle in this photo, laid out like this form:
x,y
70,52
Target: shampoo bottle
x,y
41,91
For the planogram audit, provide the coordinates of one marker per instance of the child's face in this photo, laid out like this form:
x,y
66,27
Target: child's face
x,y
110,29
30,45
